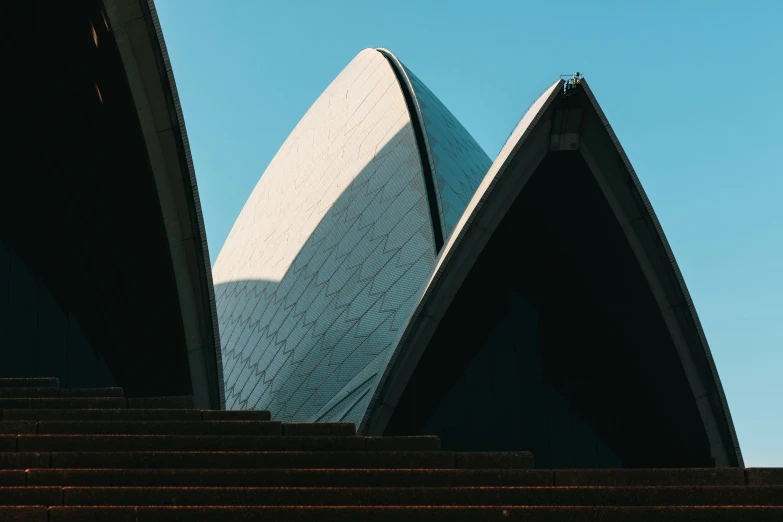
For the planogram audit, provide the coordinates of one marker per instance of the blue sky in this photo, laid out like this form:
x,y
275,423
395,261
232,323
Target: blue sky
x,y
693,89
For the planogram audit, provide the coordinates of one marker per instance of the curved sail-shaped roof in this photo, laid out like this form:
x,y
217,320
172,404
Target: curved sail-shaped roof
x,y
373,269
151,79
560,143
456,161
106,227
327,257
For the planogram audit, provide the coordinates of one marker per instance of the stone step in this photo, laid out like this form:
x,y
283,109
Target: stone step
x,y
124,414
319,428
157,427
64,402
14,477
370,477
417,443
669,477
15,392
395,496
18,427
19,460
404,496
285,477
494,460
92,392
301,513
764,476
31,496
101,414
162,403
115,443
29,382
650,477
8,443
249,460
260,415
24,514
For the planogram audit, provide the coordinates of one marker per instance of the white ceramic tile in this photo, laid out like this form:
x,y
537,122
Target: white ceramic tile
x,y
334,239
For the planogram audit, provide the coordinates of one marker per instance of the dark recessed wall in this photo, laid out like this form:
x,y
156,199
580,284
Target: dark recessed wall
x,y
80,213
43,337
555,344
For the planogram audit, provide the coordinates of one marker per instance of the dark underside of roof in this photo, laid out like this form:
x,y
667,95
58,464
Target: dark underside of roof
x,y
87,288
555,343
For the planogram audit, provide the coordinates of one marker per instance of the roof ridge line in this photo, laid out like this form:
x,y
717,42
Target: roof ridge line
x,y
417,122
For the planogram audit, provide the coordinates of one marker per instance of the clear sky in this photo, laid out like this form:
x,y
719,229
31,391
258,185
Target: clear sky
x,y
693,89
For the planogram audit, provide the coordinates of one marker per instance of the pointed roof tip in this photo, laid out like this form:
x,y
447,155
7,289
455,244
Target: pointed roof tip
x,y
376,49
366,50
389,54
474,224
529,116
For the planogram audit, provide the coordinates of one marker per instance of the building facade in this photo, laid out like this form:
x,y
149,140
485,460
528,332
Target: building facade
x,y
327,258
104,267
384,273
557,317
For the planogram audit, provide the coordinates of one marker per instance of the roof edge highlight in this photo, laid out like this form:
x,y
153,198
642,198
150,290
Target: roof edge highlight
x,y
202,243
479,221
420,325
675,268
425,155
142,48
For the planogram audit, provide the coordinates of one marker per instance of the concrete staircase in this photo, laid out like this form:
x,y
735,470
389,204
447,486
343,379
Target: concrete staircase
x,y
93,455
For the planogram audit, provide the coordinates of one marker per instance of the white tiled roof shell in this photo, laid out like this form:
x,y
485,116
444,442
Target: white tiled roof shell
x,y
452,246
426,313
457,161
327,257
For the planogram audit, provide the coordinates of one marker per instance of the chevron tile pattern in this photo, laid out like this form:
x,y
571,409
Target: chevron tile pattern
x,y
457,161
326,259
